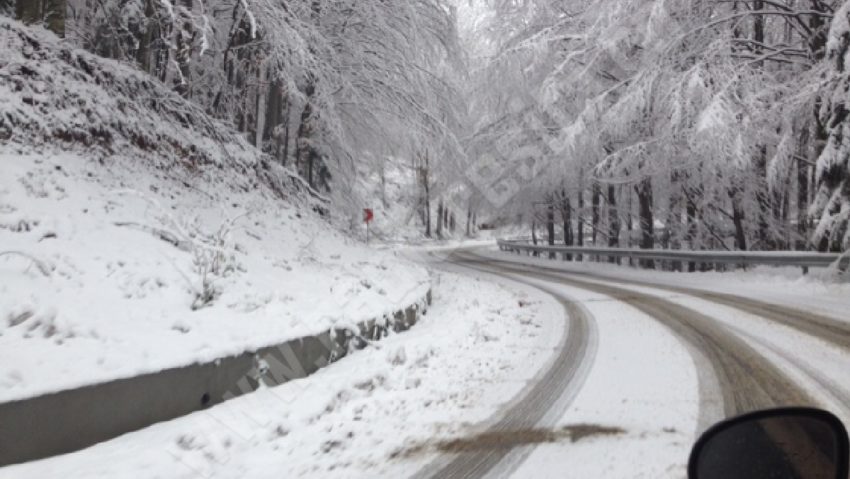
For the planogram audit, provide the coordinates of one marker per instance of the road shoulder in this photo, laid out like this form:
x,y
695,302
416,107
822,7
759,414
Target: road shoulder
x,y
370,414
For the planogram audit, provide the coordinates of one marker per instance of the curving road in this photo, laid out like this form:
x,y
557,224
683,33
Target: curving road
x,y
727,365
550,393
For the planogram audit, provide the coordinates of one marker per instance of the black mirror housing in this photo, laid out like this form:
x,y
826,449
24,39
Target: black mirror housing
x,y
785,443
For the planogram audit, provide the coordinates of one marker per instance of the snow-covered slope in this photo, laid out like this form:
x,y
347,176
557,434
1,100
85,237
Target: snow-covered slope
x,y
137,234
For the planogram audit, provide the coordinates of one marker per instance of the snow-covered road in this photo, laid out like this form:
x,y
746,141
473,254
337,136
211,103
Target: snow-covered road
x,y
672,359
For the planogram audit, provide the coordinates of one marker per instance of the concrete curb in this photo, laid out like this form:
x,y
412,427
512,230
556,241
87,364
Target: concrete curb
x,y
66,421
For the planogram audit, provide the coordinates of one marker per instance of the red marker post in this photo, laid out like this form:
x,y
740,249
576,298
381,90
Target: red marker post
x,y
368,216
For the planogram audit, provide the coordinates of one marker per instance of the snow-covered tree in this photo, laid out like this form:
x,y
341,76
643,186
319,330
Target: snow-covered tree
x,y
322,85
709,115
832,200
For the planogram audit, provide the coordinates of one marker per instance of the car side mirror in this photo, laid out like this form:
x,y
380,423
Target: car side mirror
x,y
788,443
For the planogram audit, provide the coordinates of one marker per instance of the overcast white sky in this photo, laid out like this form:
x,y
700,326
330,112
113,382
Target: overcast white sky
x,y
471,14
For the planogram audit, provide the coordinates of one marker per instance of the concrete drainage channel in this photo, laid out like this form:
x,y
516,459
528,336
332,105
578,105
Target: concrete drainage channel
x,y
66,421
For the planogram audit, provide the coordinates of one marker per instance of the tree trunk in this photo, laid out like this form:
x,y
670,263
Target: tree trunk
x,y
580,222
440,219
672,230
276,130
427,187
784,213
566,216
630,223
143,54
613,222
534,236
758,27
596,195
262,109
55,11
273,117
305,152
647,238
763,199
184,47
286,114
803,173
550,226
691,213
738,219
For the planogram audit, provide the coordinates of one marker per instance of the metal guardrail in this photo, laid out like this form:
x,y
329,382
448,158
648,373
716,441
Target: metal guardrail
x,y
804,259
65,421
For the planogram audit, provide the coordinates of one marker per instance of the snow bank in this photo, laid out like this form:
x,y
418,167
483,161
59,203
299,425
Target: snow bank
x,y
138,234
379,413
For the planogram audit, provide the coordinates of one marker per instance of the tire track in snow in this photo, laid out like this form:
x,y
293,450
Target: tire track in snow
x,y
838,393
547,398
747,380
821,326
817,325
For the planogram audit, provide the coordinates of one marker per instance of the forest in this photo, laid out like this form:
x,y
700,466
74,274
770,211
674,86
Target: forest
x,y
683,124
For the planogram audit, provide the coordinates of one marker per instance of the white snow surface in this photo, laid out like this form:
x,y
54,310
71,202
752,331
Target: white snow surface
x,y
376,413
643,381
819,366
115,300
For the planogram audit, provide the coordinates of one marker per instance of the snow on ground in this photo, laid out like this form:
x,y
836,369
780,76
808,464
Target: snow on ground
x,y
815,292
473,351
643,382
416,250
819,366
142,272
137,233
